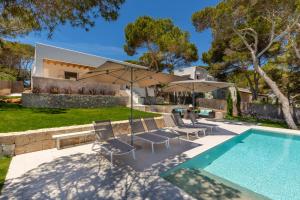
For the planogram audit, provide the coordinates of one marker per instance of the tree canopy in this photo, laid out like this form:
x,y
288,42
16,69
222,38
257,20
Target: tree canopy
x,y
248,34
15,60
163,45
23,16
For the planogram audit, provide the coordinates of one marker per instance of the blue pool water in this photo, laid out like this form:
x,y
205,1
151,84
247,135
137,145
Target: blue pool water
x,y
264,162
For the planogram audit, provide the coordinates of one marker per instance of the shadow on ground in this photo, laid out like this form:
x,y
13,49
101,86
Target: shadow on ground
x,y
221,131
232,122
88,176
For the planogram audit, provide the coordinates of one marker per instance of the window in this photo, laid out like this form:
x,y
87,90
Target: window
x,y
71,75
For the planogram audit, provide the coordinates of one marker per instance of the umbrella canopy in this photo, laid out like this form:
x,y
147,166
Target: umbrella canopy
x,y
195,86
123,73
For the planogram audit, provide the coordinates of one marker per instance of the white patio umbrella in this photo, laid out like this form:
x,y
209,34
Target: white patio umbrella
x,y
123,73
195,86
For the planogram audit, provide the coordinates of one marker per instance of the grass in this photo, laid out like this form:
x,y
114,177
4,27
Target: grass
x,y
8,97
17,118
4,164
260,122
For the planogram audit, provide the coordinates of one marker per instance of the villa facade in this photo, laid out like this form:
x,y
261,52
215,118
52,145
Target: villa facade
x,y
194,72
55,70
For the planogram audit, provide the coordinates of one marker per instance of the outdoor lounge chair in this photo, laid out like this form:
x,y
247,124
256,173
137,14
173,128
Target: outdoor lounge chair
x,y
196,123
171,123
153,128
138,129
107,142
180,123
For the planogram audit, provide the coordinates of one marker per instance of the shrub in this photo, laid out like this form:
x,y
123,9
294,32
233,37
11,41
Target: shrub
x,y
93,91
67,90
238,103
102,92
36,90
81,91
54,90
229,105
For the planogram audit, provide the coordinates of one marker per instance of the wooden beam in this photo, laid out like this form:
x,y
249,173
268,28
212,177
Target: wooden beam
x,y
75,65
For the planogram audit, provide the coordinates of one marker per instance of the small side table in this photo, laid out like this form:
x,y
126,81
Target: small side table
x,y
219,115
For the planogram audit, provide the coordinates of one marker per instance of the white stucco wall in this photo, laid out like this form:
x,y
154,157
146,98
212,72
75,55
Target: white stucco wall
x,y
43,51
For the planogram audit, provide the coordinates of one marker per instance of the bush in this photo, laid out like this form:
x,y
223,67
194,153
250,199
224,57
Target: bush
x,y
36,90
229,105
54,90
238,103
93,91
67,90
81,91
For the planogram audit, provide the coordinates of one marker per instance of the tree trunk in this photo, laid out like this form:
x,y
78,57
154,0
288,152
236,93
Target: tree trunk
x,y
256,79
283,100
252,88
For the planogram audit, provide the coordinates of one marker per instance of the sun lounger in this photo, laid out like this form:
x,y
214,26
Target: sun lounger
x,y
181,125
196,123
106,141
138,129
171,124
153,128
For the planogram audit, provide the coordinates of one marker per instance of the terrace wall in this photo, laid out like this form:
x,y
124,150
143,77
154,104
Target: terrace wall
x,y
268,111
71,101
30,141
8,87
217,104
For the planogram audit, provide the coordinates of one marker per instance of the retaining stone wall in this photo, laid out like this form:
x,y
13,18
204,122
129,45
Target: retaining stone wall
x,y
71,100
29,141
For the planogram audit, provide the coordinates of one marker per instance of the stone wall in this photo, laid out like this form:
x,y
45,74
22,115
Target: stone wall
x,y
163,108
268,111
30,141
217,104
71,100
8,87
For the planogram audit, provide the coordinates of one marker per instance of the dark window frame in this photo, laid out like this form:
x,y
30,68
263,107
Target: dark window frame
x,y
71,75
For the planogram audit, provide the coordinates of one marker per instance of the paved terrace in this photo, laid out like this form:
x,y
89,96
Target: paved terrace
x,y
77,173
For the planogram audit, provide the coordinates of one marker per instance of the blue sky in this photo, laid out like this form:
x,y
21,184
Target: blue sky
x,y
107,38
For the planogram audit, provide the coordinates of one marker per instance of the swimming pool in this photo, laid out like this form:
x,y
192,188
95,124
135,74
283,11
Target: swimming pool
x,y
267,163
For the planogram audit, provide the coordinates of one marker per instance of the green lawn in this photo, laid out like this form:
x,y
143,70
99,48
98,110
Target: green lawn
x,y
8,97
4,164
17,118
260,122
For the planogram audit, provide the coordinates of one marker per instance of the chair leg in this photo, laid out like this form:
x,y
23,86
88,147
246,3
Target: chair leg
x,y
111,159
133,154
167,144
152,147
179,140
58,143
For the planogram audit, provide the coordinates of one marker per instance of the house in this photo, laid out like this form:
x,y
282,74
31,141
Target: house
x,y
55,70
194,72
246,96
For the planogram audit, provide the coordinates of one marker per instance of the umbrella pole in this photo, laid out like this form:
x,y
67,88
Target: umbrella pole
x,y
131,103
193,96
